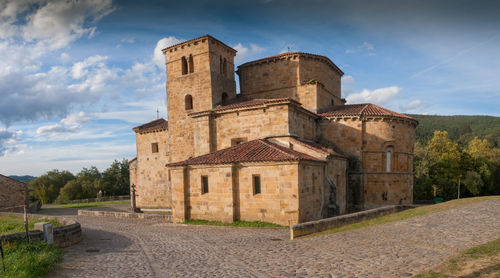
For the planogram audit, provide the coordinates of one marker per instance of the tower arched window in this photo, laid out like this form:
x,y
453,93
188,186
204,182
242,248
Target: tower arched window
x,y
191,64
388,159
188,100
184,65
224,98
333,103
224,67
220,64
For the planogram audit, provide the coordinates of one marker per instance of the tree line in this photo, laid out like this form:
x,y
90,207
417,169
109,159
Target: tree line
x,y
62,186
444,168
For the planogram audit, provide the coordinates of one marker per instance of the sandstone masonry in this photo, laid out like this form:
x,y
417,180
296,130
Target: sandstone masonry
x,y
286,149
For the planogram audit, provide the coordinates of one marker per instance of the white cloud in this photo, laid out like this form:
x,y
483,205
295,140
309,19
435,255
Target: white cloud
x,y
57,23
379,96
76,120
363,48
128,40
80,69
246,52
158,57
8,141
412,105
65,58
348,79
71,123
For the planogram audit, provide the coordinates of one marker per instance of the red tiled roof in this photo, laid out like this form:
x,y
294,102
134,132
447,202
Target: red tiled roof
x,y
291,54
157,124
363,109
317,147
248,103
258,150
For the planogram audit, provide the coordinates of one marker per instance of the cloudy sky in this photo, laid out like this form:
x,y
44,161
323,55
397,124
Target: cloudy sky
x,y
76,76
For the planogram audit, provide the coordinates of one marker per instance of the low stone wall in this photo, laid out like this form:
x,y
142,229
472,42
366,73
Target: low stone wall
x,y
116,214
307,228
68,234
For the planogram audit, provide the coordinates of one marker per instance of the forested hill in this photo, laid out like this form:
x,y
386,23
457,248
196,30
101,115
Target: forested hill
x,y
459,128
23,178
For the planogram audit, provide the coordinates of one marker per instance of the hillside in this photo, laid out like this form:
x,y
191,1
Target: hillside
x,y
23,178
460,128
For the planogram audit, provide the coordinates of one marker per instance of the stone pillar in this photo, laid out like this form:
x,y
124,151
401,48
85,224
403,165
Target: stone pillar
x,y
179,182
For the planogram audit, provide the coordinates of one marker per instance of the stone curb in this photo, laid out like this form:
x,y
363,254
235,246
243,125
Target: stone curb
x,y
115,214
307,228
68,234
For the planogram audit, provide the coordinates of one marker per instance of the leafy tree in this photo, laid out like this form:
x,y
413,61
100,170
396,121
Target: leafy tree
x,y
473,182
116,179
46,187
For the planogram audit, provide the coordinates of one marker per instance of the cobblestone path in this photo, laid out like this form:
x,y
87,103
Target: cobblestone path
x,y
138,248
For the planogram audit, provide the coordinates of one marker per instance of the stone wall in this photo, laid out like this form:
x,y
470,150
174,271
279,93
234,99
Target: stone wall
x,y
307,228
275,79
152,187
205,85
367,141
69,233
231,193
12,194
306,78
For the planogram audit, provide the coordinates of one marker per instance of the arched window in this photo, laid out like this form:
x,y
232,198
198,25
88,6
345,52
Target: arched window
x,y
224,67
188,102
220,64
184,65
388,160
191,64
224,98
333,103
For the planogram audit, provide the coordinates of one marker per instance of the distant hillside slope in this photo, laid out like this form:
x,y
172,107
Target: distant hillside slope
x,y
23,178
460,128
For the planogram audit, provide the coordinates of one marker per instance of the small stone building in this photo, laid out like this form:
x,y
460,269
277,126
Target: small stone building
x,y
286,149
13,194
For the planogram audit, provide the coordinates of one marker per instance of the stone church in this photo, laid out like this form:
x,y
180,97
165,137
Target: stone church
x,y
286,149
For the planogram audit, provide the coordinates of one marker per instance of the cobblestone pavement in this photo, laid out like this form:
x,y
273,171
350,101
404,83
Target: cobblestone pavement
x,y
141,248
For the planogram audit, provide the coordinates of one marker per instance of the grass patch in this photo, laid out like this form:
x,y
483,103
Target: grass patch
x,y
239,223
91,205
30,260
10,223
479,261
410,213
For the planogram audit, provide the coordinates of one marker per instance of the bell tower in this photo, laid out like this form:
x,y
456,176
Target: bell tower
x,y
200,76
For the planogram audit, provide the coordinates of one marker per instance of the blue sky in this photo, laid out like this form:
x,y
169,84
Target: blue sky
x,y
76,76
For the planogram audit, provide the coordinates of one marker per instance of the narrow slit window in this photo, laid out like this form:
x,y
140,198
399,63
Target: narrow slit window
x,y
184,65
224,67
256,184
204,184
224,98
154,147
191,64
188,102
388,160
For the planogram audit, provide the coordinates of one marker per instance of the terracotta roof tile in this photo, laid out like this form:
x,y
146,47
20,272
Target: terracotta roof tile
x,y
258,150
317,147
157,124
363,109
239,103
291,54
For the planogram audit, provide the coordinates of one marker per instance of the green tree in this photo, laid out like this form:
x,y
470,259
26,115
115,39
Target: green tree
x,y
473,183
46,187
116,179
